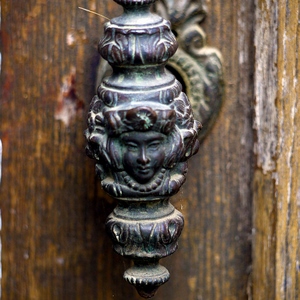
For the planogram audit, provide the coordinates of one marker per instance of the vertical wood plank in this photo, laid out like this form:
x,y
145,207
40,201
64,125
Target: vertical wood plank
x,y
288,161
214,256
54,242
276,270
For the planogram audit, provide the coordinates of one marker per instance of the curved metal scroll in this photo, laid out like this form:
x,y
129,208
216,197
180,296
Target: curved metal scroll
x,y
198,65
141,131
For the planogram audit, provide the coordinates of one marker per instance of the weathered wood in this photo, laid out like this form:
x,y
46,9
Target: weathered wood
x,y
276,272
54,244
53,237
216,200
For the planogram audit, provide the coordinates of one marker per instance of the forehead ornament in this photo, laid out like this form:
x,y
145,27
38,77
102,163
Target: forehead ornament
x,y
140,118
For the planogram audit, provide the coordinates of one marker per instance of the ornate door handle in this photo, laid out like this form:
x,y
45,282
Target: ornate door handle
x,y
141,131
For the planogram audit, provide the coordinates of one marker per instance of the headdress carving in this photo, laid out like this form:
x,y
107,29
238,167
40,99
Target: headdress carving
x,y
140,118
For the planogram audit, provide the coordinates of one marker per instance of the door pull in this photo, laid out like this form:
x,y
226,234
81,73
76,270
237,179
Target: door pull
x,y
141,132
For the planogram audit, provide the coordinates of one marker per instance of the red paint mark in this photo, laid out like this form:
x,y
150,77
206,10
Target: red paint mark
x,y
6,39
68,103
7,85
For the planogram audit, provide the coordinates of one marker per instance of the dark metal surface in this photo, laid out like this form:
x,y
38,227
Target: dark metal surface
x,y
141,131
196,65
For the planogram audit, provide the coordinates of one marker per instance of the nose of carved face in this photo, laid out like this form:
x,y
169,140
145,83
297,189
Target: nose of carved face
x,y
143,158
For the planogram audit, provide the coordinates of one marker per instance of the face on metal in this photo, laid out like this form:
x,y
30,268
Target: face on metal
x,y
144,154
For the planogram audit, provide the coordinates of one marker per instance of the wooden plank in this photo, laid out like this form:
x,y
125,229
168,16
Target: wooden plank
x,y
54,242
214,256
288,160
276,217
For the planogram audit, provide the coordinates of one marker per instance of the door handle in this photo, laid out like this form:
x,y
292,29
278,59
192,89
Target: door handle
x,y
141,131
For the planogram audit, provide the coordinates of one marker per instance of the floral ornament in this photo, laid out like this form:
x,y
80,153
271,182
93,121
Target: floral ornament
x,y
160,118
141,118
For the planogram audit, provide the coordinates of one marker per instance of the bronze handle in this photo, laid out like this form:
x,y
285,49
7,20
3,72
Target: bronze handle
x,y
141,131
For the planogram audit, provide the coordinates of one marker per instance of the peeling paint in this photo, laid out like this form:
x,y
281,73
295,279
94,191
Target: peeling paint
x,y
71,39
290,154
60,260
76,37
266,84
68,103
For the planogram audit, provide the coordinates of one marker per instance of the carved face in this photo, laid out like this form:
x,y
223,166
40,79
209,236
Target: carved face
x,y
144,154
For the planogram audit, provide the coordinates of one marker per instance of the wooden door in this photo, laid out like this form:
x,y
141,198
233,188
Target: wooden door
x,y
241,198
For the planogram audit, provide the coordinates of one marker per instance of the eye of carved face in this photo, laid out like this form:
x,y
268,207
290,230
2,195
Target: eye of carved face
x,y
143,154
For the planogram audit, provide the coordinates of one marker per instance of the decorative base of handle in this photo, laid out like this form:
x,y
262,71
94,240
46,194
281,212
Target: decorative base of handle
x,y
147,278
145,231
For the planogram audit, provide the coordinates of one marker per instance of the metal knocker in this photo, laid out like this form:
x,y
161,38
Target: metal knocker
x,y
141,131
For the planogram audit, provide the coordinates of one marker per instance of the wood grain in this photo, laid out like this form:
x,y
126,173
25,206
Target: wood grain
x,y
276,272
53,237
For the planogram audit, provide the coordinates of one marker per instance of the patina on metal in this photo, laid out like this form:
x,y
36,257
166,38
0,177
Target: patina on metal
x,y
141,131
196,65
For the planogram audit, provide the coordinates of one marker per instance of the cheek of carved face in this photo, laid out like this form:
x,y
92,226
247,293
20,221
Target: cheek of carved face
x,y
144,154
